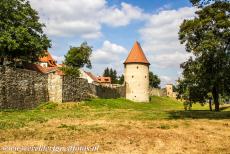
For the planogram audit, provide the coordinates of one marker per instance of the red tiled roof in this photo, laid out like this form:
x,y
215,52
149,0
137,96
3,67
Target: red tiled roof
x,y
102,79
48,59
136,55
38,68
94,78
60,72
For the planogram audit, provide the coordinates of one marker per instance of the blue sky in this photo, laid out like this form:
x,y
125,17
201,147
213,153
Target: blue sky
x,y
112,26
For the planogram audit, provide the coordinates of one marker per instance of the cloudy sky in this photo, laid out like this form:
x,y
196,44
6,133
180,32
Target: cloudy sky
x,y
112,26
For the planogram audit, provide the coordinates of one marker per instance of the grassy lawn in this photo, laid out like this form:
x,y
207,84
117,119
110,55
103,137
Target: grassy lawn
x,y
120,126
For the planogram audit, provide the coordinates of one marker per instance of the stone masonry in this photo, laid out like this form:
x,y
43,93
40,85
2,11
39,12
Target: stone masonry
x,y
24,89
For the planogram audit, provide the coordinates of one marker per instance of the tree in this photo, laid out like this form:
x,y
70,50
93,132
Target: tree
x,y
106,72
77,57
109,72
121,79
207,37
154,81
21,35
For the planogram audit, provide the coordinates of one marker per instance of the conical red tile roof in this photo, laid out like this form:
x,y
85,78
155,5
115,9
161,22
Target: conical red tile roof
x,y
136,55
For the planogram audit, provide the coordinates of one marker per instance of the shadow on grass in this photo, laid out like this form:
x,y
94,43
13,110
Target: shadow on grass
x,y
199,114
224,107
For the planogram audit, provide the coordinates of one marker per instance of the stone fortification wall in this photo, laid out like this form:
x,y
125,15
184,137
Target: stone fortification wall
x,y
21,88
24,89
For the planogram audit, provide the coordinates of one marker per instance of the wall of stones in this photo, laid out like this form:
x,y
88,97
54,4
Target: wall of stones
x,y
103,91
24,89
21,88
74,89
157,92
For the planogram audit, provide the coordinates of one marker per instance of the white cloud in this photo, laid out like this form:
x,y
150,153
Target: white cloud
x,y
108,53
160,40
164,7
83,17
59,59
170,60
122,17
160,34
166,80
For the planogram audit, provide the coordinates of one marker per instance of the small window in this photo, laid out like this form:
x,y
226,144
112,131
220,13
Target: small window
x,y
137,67
135,96
132,76
145,76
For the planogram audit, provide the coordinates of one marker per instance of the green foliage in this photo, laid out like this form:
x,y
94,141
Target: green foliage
x,y
69,70
78,57
109,109
21,35
111,73
121,79
154,80
207,37
46,106
106,72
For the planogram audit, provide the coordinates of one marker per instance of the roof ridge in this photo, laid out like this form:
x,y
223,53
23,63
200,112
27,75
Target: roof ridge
x,y
136,55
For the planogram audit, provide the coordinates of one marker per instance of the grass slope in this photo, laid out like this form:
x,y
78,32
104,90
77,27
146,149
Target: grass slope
x,y
158,108
119,126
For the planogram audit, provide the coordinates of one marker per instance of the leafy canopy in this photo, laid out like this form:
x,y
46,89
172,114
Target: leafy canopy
x,y
21,33
77,57
207,37
154,80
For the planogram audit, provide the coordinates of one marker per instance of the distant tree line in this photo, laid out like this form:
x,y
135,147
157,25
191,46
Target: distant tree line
x,y
115,79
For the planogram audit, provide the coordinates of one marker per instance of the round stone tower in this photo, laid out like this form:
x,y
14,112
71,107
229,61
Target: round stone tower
x,y
137,75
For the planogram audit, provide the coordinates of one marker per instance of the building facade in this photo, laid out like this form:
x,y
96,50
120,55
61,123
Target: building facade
x,y
137,75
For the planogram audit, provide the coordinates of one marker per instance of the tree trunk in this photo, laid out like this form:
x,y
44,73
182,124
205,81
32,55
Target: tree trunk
x,y
210,104
215,95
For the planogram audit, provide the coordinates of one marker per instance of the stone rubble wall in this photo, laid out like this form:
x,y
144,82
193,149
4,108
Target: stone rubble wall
x,y
23,89
74,89
157,92
103,91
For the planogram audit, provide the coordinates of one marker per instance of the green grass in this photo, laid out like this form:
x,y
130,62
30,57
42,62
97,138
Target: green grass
x,y
158,108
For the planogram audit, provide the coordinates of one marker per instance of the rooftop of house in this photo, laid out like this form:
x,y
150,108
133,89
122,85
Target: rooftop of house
x,y
136,55
51,68
102,79
94,78
48,59
40,69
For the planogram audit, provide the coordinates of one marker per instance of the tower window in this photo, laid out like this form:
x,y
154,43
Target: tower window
x,y
137,67
145,76
132,76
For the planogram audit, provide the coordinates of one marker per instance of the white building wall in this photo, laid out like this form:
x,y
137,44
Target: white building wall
x,y
43,64
85,76
137,82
